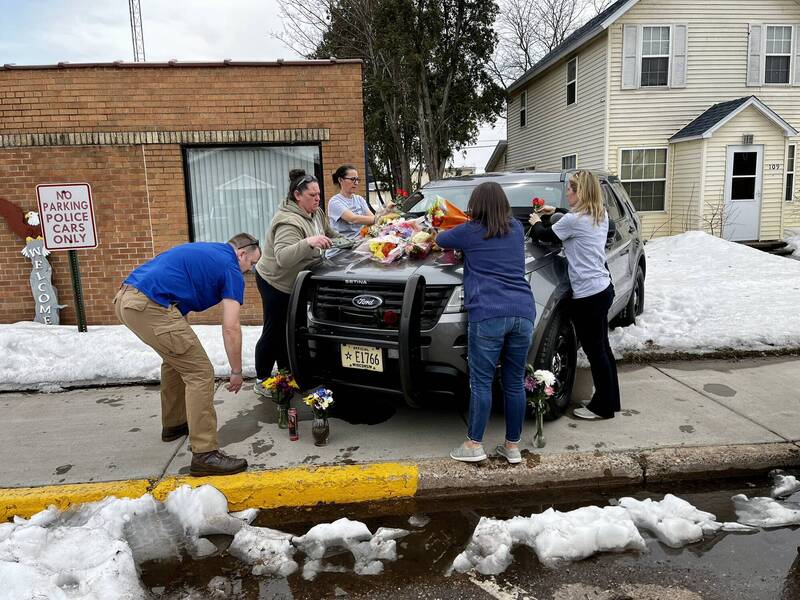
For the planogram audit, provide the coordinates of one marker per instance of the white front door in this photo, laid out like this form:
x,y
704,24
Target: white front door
x,y
741,214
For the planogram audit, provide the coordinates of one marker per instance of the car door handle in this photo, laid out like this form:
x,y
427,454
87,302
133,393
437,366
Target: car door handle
x,y
632,229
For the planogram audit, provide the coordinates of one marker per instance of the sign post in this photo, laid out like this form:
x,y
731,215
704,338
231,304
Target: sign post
x,y
66,213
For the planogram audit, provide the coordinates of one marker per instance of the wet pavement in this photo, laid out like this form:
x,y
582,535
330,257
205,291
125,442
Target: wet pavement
x,y
762,565
113,433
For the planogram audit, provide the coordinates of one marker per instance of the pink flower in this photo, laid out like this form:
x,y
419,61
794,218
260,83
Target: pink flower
x,y
549,391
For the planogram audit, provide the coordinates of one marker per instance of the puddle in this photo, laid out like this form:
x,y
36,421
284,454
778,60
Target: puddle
x,y
763,565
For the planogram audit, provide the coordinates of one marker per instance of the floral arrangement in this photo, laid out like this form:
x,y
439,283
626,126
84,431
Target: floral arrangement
x,y
436,212
385,249
538,204
319,400
539,386
281,386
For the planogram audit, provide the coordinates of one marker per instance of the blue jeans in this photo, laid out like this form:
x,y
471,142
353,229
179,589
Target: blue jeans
x,y
491,340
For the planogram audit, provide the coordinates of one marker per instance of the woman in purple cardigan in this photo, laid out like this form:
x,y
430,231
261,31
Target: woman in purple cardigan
x,y
501,313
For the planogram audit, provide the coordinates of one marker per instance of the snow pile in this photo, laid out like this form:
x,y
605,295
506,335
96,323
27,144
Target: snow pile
x,y
765,512
368,550
92,551
783,485
269,551
704,294
44,357
793,243
558,537
554,536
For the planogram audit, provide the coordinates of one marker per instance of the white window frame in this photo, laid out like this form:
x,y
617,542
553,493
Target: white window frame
x,y
572,82
574,154
792,172
764,53
665,179
523,109
640,56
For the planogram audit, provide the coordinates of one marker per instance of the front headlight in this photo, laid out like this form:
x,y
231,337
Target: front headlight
x,y
456,302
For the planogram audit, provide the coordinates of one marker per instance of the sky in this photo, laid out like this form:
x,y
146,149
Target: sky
x,y
51,31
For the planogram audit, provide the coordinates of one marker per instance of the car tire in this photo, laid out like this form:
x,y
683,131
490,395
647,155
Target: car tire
x,y
558,353
635,305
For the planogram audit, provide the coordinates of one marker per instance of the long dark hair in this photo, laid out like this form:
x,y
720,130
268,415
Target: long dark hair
x,y
341,172
298,181
489,206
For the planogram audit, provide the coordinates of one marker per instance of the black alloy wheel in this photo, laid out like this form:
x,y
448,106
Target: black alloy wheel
x,y
558,354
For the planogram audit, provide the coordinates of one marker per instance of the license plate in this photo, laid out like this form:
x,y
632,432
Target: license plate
x,y
367,358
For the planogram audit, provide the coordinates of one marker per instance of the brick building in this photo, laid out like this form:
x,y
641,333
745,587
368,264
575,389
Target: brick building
x,y
174,152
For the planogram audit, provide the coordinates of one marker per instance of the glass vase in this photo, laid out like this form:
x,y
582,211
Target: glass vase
x,y
538,437
283,416
320,430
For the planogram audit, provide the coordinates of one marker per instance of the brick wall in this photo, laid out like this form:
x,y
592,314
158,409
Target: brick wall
x,y
138,188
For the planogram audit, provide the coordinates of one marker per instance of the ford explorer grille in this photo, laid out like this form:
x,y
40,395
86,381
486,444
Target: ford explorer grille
x,y
333,302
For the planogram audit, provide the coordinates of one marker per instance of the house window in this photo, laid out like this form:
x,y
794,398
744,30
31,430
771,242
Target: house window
x,y
523,109
779,54
655,56
644,176
790,161
572,81
239,188
569,162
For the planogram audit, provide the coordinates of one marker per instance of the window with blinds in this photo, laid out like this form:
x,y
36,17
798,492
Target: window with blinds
x,y
239,188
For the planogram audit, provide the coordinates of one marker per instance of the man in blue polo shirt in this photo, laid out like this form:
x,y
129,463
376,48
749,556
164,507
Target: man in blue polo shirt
x,y
153,303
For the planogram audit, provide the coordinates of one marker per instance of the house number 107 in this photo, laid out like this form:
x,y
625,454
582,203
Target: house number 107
x,y
775,166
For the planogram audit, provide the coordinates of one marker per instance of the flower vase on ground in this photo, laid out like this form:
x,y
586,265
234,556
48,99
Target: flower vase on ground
x,y
281,388
320,430
283,415
539,387
538,437
320,400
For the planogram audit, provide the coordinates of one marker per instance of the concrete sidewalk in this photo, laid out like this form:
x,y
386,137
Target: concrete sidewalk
x,y
680,419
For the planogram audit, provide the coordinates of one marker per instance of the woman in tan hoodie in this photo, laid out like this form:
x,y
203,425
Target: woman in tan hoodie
x,y
296,240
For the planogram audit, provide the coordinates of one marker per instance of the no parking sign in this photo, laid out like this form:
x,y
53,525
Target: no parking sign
x,y
66,214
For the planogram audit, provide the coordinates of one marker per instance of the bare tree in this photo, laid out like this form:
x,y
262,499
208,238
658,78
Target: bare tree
x,y
529,29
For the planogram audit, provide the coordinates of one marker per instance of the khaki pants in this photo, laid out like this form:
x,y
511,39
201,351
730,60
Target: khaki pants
x,y
187,376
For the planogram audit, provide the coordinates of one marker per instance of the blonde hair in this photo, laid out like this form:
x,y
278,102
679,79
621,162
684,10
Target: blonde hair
x,y
590,197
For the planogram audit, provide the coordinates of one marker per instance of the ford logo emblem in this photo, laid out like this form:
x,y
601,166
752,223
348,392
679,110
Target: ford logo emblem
x,y
367,301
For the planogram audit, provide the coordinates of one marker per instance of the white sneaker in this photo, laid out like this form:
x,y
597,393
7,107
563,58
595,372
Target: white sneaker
x,y
585,413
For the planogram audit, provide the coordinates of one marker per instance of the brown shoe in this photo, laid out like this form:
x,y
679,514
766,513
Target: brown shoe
x,y
169,434
215,463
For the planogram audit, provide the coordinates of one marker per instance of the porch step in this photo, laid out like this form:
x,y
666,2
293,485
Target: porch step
x,y
776,247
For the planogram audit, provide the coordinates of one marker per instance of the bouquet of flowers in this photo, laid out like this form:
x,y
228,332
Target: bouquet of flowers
x,y
385,248
319,400
281,387
442,214
420,245
538,204
540,385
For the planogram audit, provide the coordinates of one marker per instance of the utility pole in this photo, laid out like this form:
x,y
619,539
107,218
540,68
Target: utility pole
x,y
137,35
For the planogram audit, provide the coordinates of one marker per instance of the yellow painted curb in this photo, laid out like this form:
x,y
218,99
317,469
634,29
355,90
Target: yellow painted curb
x,y
306,486
26,502
302,486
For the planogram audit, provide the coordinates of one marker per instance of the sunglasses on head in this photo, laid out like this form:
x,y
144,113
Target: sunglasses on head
x,y
256,244
304,180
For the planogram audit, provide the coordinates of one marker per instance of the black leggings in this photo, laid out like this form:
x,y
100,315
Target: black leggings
x,y
271,346
590,316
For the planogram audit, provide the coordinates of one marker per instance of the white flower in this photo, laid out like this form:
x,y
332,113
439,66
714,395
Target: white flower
x,y
545,377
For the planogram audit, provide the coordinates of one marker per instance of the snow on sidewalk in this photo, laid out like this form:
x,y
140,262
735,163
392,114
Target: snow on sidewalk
x,y
702,294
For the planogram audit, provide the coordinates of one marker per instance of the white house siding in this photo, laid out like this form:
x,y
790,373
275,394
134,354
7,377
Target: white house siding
x,y
765,134
716,71
554,129
687,187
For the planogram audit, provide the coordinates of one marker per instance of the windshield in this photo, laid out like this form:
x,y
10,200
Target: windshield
x,y
519,195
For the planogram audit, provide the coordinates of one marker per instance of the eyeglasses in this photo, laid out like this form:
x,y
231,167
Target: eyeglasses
x,y
353,179
256,244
